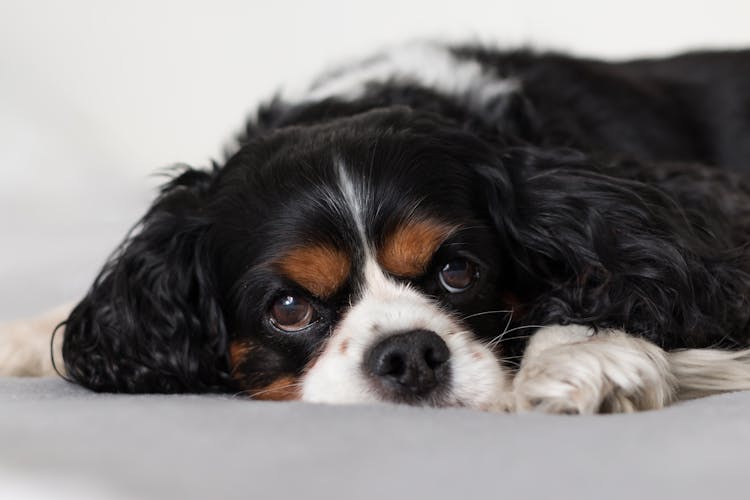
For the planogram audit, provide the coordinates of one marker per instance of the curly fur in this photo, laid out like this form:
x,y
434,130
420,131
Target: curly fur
x,y
597,189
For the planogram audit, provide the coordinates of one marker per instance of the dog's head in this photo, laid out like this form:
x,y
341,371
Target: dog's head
x,y
375,257
350,261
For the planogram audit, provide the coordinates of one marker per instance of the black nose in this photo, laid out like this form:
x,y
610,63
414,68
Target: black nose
x,y
410,364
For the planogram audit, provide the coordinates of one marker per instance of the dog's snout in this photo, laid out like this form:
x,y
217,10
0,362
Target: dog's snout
x,y
412,364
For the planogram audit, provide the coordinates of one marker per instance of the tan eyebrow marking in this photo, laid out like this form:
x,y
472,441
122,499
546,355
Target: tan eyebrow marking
x,y
320,269
409,248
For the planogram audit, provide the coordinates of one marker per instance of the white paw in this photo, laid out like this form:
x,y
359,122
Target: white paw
x,y
25,345
610,372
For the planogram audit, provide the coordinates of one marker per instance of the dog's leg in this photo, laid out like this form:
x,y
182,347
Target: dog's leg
x,y
571,369
25,345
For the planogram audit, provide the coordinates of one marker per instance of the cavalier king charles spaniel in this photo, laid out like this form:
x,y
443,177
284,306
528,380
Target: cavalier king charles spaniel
x,y
450,226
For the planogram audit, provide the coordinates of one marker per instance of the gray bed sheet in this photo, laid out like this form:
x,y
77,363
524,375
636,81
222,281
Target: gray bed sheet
x,y
61,439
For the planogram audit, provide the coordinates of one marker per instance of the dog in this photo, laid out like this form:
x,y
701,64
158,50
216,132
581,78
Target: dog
x,y
450,226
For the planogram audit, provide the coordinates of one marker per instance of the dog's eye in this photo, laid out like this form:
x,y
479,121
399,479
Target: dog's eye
x,y
291,313
458,275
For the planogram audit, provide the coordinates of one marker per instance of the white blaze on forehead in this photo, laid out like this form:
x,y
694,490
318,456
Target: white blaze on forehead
x,y
355,200
429,65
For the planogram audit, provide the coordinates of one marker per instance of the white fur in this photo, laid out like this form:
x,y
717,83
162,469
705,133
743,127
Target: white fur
x,y
701,372
387,308
355,201
426,64
25,345
569,369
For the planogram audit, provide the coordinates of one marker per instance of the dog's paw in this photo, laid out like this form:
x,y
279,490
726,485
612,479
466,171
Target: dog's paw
x,y
25,345
19,351
610,372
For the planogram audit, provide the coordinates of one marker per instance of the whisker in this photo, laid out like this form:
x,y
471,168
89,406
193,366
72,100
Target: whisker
x,y
271,389
494,342
524,327
252,395
491,344
507,325
514,337
243,393
502,311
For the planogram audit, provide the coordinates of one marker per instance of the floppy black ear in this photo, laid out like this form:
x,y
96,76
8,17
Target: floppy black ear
x,y
606,246
151,321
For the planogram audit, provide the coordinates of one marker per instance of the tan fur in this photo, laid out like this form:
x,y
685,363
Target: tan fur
x,y
25,345
408,250
285,388
318,268
238,352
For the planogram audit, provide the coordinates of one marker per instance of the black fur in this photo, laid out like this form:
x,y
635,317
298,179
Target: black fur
x,y
594,195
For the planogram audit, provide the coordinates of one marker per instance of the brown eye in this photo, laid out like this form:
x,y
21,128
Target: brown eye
x,y
458,275
291,313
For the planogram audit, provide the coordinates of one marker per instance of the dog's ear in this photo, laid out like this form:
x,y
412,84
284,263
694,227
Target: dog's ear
x,y
151,321
590,244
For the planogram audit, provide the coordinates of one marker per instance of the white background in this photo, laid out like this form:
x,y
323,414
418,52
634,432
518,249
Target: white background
x,y
97,95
